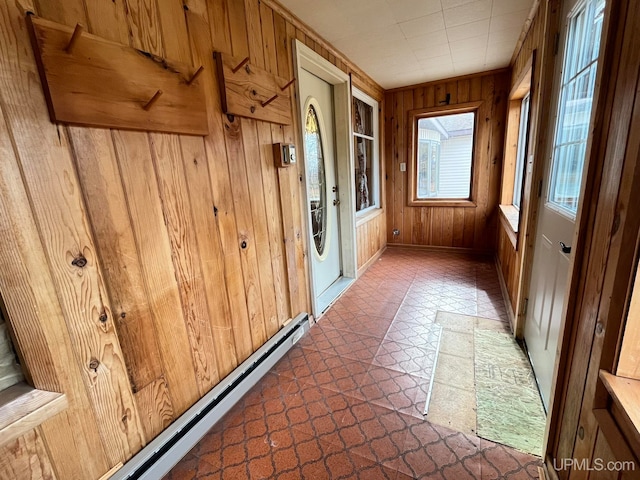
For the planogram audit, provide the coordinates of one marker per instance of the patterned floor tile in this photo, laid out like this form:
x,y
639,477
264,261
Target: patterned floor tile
x,y
347,401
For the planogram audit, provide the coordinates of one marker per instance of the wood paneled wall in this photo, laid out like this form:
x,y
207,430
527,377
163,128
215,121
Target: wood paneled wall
x,y
510,258
371,239
460,227
169,301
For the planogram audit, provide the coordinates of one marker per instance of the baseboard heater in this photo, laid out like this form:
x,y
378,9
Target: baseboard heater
x,y
162,453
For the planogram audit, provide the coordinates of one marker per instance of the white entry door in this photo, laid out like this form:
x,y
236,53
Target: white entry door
x,y
561,186
318,129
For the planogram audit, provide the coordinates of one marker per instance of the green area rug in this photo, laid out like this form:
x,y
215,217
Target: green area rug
x,y
509,408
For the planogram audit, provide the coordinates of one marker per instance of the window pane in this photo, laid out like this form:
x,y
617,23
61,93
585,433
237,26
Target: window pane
x,y
364,173
574,111
363,122
316,183
522,151
445,149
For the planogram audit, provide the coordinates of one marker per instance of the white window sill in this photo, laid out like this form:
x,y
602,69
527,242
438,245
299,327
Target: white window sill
x,y
365,216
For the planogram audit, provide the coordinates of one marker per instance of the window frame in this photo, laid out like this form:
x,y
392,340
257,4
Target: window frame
x,y
375,138
413,142
511,216
522,150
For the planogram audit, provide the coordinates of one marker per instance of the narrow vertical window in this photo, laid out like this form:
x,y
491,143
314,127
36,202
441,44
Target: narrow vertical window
x,y
521,156
576,100
365,144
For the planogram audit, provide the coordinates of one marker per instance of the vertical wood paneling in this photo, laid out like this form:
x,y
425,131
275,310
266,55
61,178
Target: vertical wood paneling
x,y
33,300
26,459
147,219
161,220
56,200
509,258
458,227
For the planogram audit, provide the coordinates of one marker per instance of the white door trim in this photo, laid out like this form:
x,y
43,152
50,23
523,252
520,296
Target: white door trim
x,y
305,58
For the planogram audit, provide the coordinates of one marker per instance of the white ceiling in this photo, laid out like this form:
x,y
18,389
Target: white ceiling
x,y
403,42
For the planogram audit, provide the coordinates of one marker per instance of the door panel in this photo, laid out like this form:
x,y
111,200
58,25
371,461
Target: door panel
x,y
562,181
322,186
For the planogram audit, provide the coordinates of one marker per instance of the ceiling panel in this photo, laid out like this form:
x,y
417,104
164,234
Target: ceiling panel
x,y
402,42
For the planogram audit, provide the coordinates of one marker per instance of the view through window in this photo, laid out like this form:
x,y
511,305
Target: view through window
x,y
444,156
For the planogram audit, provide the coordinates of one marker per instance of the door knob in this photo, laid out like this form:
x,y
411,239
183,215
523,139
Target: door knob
x,y
564,248
336,202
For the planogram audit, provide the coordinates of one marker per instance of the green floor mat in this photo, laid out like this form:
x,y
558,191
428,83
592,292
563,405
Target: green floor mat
x,y
509,408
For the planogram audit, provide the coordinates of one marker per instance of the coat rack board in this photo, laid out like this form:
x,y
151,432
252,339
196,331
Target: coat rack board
x,y
250,91
94,82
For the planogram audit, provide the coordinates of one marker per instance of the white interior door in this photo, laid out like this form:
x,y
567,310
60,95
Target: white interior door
x,y
318,129
561,184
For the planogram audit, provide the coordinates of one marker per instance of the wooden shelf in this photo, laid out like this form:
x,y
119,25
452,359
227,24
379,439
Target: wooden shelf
x,y
625,407
22,408
625,392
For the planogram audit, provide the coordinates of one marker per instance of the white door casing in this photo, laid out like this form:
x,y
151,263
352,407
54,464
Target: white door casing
x,y
560,203
308,62
322,186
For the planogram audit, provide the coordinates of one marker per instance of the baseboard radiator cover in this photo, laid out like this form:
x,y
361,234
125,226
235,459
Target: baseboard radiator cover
x,y
159,456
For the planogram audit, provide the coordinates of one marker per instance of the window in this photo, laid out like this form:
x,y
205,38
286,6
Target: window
x,y
513,198
521,156
365,144
316,181
441,167
574,109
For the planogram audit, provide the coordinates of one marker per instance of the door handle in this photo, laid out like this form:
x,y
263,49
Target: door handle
x,y
564,248
336,202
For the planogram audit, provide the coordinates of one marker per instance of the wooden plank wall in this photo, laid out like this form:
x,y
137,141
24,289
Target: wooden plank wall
x,y
168,302
371,238
510,259
454,227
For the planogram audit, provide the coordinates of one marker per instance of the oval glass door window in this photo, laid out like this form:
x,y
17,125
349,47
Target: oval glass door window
x,y
316,182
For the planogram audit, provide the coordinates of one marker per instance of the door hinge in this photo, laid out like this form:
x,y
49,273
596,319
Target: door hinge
x,y
556,44
525,306
540,189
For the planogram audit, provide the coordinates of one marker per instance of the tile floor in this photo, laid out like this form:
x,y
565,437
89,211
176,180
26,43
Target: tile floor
x,y
347,400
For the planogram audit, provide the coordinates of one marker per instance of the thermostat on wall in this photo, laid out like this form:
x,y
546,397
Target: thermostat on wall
x,y
284,154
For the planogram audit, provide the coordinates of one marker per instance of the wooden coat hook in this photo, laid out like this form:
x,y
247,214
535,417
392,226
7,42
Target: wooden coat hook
x,y
267,102
153,100
196,75
240,65
75,36
289,83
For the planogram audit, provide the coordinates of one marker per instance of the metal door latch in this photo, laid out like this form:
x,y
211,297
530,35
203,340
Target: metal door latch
x,y
564,248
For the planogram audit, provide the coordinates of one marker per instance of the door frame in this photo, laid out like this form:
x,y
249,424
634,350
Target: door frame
x,y
551,14
307,59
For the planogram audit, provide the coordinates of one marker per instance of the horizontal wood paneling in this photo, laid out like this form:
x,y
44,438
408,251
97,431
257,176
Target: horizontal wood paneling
x,y
449,226
169,301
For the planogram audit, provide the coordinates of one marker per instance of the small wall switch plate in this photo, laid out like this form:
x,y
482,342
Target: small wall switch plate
x,y
284,154
403,167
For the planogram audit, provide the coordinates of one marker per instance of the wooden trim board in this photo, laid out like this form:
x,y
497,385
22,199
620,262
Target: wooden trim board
x,y
23,408
105,84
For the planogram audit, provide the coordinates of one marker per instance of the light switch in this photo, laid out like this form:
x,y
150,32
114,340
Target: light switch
x,y
403,167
